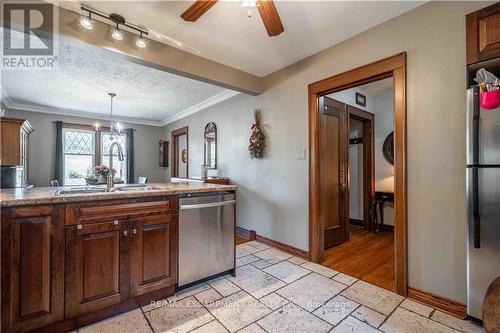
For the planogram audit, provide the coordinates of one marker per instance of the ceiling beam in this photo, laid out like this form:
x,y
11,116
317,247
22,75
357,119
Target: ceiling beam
x,y
160,56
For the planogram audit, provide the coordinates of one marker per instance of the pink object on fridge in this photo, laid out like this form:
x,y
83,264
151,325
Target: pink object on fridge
x,y
489,99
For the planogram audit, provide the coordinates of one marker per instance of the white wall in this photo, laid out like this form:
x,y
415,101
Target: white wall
x,y
42,147
273,195
356,171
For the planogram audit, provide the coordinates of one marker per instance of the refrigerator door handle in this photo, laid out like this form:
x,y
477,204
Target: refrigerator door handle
x,y
472,121
475,208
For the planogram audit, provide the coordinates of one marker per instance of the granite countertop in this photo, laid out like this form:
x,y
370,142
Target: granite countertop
x,y
45,195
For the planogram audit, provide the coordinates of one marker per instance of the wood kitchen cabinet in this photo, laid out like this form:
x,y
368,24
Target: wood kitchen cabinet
x,y
14,136
483,34
153,253
96,266
68,265
32,264
117,250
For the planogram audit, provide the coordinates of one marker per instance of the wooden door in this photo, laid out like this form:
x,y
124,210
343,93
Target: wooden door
x,y
32,267
96,266
333,170
153,253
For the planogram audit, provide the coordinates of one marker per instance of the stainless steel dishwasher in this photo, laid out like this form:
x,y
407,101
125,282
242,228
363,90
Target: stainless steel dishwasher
x,y
206,235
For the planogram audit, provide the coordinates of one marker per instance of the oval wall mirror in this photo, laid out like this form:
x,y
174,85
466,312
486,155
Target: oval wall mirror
x,y
210,138
388,148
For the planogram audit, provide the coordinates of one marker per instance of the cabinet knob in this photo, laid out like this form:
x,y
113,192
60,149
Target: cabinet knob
x,y
125,233
134,231
116,222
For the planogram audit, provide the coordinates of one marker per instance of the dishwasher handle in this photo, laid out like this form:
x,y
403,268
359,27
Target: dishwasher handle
x,y
208,205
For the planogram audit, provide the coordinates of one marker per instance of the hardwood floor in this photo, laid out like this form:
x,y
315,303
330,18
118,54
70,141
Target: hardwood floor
x,y
367,256
238,240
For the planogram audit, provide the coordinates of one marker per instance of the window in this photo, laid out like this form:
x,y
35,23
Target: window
x,y
119,166
84,149
79,155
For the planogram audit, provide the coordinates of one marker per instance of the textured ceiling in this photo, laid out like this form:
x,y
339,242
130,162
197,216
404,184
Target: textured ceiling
x,y
85,75
225,34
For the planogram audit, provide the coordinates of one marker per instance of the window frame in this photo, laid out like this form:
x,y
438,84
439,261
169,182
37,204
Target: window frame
x,y
97,158
77,129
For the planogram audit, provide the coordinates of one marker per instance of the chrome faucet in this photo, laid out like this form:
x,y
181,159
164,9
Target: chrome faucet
x,y
111,176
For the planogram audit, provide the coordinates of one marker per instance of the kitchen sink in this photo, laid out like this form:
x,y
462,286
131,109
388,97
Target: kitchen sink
x,y
87,190
137,188
80,191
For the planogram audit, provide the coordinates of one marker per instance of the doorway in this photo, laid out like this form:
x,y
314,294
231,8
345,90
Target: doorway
x,y
180,153
322,175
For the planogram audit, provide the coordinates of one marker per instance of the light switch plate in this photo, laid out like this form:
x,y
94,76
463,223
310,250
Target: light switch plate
x,y
301,154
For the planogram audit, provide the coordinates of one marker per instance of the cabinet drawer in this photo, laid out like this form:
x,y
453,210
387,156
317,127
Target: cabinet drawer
x,y
88,212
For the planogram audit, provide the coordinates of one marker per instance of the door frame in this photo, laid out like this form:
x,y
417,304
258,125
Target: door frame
x,y
395,67
175,150
368,120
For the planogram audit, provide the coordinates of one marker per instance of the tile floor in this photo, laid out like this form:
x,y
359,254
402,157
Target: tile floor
x,y
275,292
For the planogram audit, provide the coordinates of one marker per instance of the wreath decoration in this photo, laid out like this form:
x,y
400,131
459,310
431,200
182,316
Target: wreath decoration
x,y
257,138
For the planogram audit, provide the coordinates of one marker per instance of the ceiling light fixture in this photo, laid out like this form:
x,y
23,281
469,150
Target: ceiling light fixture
x,y
140,42
118,21
115,128
117,34
86,22
249,4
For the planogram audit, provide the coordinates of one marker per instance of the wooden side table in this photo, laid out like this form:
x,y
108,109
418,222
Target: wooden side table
x,y
378,205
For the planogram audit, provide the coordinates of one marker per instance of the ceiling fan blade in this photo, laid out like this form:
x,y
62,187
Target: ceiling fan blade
x,y
270,17
197,9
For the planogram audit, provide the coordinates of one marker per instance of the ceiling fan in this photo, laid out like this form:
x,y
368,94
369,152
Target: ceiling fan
x,y
267,11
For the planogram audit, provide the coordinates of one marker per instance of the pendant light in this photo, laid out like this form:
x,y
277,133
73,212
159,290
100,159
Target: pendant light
x,y
115,128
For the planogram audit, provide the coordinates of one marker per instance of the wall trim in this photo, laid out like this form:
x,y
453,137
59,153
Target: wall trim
x,y
449,306
252,235
215,99
247,234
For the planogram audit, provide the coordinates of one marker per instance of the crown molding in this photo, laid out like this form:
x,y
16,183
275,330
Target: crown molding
x,y
9,103
216,99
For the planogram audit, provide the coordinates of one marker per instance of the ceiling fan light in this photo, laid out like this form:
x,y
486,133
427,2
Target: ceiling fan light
x,y
117,34
86,22
141,43
249,3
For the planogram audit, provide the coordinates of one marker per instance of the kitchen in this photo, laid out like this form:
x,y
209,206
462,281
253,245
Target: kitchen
x,y
270,196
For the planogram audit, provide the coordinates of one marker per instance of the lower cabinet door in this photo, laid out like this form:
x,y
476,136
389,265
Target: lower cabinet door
x,y
96,266
32,257
153,253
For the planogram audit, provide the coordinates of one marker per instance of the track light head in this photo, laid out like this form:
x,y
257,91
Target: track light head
x,y
140,42
86,22
117,34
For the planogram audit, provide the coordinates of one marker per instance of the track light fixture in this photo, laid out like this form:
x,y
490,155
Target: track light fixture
x,y
117,34
117,21
140,42
86,21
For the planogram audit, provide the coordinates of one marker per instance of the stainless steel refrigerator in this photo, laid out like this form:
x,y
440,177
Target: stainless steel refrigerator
x,y
483,200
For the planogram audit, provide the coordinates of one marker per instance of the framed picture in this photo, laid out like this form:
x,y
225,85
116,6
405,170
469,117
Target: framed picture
x,y
360,99
163,153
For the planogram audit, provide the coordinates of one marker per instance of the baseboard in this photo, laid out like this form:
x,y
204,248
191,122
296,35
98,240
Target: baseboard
x,y
454,308
357,222
386,227
252,235
244,233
